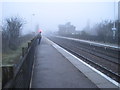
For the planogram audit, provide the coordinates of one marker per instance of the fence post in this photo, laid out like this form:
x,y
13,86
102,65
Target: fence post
x,y
29,43
23,51
7,74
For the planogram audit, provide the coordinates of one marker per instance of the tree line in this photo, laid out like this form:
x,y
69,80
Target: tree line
x,y
102,32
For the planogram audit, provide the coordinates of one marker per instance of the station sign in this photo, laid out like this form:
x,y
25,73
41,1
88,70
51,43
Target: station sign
x,y
114,29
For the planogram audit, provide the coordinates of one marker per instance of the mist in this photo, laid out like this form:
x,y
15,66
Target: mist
x,y
48,15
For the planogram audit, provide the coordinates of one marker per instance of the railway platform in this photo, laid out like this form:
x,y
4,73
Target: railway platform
x,y
54,67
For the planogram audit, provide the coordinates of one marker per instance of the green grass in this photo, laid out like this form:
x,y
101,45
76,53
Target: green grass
x,y
11,57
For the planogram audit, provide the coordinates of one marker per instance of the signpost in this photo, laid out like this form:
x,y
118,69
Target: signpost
x,y
114,28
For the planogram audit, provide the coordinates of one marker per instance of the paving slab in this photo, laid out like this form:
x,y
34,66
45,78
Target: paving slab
x,y
53,70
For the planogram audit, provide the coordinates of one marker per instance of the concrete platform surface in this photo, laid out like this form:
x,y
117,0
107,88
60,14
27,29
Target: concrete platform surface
x,y
53,70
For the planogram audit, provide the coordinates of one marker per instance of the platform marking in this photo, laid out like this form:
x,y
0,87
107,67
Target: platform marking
x,y
33,66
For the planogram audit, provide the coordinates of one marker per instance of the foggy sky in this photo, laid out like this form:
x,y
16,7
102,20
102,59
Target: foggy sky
x,y
50,15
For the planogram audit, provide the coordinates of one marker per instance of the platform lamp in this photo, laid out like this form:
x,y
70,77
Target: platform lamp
x,y
114,28
32,20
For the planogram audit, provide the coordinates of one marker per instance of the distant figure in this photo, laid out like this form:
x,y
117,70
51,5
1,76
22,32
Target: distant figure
x,y
39,37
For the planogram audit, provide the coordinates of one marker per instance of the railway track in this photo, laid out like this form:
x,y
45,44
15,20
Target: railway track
x,y
92,50
109,67
105,52
102,52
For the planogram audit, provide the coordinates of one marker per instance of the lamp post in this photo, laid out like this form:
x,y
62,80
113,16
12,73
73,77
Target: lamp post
x,y
114,28
32,20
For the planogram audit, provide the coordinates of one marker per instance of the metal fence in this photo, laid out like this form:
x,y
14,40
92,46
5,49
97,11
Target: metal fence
x,y
19,75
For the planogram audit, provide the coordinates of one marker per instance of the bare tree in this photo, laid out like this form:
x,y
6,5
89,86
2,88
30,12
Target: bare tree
x,y
11,32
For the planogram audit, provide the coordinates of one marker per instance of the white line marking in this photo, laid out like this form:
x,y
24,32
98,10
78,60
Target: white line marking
x,y
32,73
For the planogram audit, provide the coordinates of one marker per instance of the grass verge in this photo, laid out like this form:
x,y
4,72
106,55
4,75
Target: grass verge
x,y
11,56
